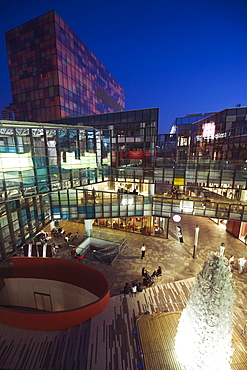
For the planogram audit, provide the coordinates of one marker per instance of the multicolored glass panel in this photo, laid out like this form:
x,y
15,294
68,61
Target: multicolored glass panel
x,y
54,75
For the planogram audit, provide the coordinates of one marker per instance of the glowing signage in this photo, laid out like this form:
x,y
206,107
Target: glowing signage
x,y
216,136
127,199
208,130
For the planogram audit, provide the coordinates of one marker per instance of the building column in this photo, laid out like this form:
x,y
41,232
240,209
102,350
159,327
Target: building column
x,y
88,227
243,195
151,189
166,227
52,225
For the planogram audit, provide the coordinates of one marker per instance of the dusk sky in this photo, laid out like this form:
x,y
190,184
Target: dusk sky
x,y
182,56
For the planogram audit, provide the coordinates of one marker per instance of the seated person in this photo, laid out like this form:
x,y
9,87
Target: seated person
x,y
73,251
148,281
144,272
139,287
134,289
159,271
145,281
127,289
79,257
154,274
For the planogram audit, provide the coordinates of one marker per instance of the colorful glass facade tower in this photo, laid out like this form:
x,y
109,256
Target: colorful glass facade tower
x,y
54,75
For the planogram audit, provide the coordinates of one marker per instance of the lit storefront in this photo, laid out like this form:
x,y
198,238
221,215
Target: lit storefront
x,y
37,161
217,146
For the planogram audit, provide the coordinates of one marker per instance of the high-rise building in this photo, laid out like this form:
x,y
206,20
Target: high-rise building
x,y
54,75
8,113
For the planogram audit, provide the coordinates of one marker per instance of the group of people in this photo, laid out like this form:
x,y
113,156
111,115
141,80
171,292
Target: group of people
x,y
76,255
175,192
70,237
148,280
241,264
127,191
231,260
132,289
42,237
58,233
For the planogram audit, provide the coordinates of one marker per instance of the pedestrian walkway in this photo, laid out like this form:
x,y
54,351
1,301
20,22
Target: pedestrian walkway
x,y
110,340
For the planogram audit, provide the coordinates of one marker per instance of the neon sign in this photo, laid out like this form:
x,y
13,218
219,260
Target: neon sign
x,y
208,130
216,136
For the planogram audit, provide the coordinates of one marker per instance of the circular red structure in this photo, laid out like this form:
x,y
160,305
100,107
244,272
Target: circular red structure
x,y
61,270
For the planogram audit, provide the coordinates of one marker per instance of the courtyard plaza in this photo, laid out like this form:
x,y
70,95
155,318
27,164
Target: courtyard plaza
x,y
110,341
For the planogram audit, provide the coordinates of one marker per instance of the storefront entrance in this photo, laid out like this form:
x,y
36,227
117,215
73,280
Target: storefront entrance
x,y
154,226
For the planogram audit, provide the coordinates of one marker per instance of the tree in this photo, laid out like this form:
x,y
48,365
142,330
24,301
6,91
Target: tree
x,y
204,333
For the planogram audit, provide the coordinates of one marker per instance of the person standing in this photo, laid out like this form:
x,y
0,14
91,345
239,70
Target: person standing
x,y
143,251
242,262
245,239
231,263
222,249
180,235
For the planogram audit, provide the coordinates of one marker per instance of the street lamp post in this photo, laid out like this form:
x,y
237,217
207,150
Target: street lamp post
x,y
195,241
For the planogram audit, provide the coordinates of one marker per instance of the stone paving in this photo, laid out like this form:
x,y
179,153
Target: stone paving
x,y
174,257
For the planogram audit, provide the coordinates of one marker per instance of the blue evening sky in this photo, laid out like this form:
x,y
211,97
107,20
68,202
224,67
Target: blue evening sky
x,y
181,56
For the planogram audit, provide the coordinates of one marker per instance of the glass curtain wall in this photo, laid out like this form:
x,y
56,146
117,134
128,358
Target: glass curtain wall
x,y
35,162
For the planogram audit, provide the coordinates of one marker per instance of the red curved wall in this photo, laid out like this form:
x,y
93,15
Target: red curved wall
x,y
61,270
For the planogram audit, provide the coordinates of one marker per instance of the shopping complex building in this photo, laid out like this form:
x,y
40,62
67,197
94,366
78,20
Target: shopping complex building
x,y
116,170
73,153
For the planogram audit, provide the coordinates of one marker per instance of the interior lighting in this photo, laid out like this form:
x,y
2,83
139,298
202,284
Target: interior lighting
x,y
127,200
176,218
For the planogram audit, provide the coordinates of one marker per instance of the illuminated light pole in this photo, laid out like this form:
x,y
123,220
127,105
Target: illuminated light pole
x,y
195,240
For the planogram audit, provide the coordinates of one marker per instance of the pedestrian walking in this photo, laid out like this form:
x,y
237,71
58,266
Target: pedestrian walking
x,y
242,262
143,251
231,263
222,249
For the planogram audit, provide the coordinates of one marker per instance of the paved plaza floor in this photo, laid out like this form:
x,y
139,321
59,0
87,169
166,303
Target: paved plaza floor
x,y
110,340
